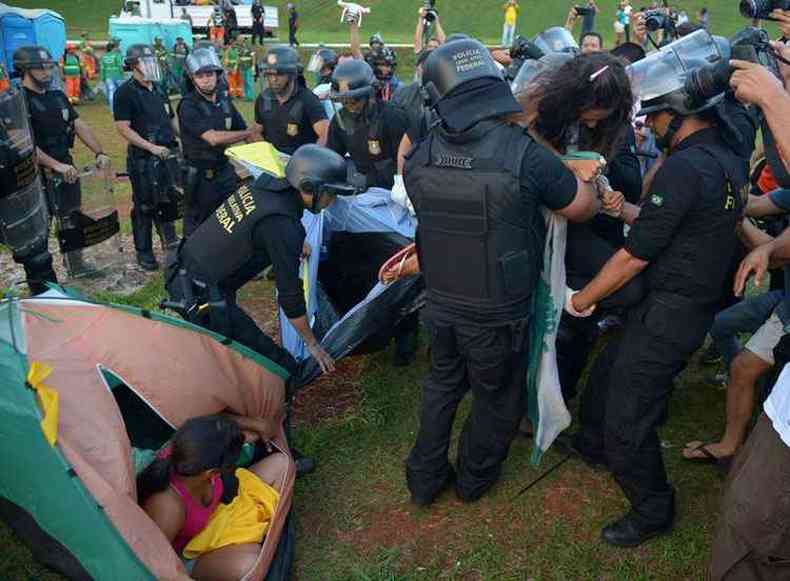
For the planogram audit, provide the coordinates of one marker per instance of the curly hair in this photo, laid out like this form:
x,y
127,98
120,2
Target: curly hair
x,y
587,82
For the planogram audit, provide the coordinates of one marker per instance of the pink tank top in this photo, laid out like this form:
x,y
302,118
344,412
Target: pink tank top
x,y
197,515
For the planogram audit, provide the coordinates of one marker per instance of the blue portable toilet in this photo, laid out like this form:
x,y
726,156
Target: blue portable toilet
x,y
20,27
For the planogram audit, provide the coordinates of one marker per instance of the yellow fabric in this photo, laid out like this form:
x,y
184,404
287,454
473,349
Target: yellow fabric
x,y
261,154
245,520
47,400
304,274
511,12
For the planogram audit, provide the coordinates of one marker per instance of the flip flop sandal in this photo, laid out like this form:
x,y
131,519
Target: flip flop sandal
x,y
707,457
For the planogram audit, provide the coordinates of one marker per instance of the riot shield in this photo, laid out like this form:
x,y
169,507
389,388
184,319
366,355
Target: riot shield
x,y
23,210
169,194
87,223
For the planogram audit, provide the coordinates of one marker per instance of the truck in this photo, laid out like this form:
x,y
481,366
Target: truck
x,y
200,12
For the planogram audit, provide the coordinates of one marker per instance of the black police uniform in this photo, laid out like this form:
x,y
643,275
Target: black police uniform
x,y
686,231
208,175
253,228
480,240
371,140
289,125
154,198
52,119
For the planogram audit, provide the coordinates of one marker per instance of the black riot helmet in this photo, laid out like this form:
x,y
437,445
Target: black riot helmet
x,y
31,57
281,60
464,85
319,171
352,79
142,55
457,36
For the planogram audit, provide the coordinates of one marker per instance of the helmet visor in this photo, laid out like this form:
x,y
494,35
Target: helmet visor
x,y
531,70
556,39
203,60
665,71
149,67
316,63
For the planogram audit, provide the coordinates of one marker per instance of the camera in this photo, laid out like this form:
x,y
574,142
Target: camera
x,y
749,44
656,20
430,11
523,49
584,10
762,8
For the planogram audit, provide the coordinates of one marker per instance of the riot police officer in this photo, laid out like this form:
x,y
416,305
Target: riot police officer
x,y
256,227
477,184
145,119
683,238
369,131
209,122
23,210
55,125
287,113
384,61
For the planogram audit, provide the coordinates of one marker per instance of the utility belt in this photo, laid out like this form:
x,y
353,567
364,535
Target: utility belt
x,y
195,301
192,175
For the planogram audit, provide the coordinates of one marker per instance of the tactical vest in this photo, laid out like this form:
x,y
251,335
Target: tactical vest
x,y
195,149
156,130
366,147
270,115
478,235
52,125
224,243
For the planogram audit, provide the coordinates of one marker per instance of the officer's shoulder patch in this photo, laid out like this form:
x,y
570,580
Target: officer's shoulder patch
x,y
657,200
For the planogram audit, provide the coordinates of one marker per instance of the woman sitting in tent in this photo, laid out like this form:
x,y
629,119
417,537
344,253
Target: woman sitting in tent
x,y
214,514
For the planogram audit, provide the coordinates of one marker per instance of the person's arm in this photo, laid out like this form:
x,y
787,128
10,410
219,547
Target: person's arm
x,y
751,235
168,513
403,149
355,45
267,427
316,115
616,273
125,130
760,206
570,20
584,205
773,254
69,172
437,26
418,32
215,138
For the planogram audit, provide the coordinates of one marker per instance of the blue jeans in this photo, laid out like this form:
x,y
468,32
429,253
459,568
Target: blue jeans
x,y
508,32
744,317
110,86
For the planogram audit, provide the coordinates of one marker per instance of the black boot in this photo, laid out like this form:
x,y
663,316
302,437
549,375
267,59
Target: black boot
x,y
630,532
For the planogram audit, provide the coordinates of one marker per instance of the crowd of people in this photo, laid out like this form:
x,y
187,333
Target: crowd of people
x,y
647,162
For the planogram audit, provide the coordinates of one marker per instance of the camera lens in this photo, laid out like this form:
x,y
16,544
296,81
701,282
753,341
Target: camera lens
x,y
755,8
654,22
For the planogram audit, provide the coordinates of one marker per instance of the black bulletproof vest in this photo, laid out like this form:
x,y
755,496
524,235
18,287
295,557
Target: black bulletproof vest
x,y
285,131
153,120
52,124
478,235
365,143
194,147
223,244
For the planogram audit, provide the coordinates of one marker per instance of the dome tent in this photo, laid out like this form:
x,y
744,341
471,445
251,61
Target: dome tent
x,y
84,385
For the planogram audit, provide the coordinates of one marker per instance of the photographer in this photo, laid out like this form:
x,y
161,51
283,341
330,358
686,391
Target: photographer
x,y
683,239
587,13
428,17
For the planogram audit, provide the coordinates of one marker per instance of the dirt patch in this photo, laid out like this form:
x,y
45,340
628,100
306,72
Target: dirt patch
x,y
330,396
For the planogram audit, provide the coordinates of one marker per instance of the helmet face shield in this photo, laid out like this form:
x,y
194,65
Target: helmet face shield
x,y
316,63
556,39
665,71
15,130
149,68
203,60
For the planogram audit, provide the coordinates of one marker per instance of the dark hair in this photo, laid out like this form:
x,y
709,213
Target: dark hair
x,y
592,33
203,443
590,81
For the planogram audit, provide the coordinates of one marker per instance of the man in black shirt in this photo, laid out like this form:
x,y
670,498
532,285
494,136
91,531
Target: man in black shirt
x,y
288,114
145,119
478,185
368,131
293,24
257,21
683,238
209,122
253,228
55,125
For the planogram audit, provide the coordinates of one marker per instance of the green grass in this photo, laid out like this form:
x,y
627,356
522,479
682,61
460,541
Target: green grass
x,y
396,19
355,522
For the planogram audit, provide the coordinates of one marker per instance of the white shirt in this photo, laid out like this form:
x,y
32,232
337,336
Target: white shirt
x,y
777,406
